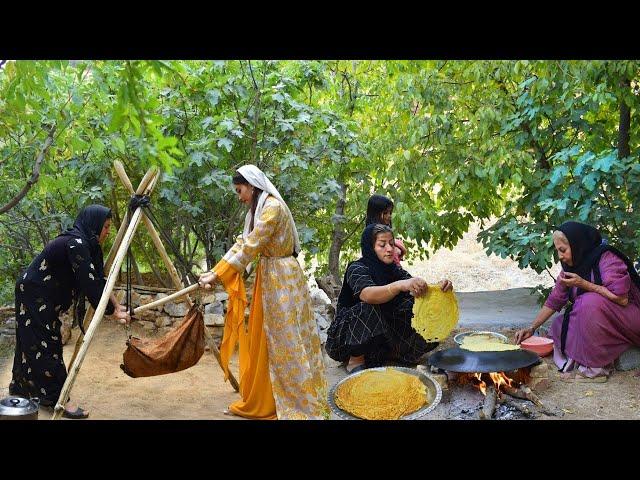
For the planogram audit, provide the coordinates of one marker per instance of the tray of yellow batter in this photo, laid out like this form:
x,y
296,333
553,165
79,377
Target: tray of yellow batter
x,y
433,393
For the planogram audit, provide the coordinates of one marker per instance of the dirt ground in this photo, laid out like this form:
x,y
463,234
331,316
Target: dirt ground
x,y
200,392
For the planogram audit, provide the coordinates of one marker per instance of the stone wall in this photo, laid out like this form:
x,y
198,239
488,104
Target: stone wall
x,y
161,319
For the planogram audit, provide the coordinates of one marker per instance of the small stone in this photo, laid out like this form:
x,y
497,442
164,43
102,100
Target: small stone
x,y
146,316
10,322
176,309
215,307
222,296
160,296
442,379
539,384
208,298
148,326
629,360
319,298
213,320
145,299
135,298
540,371
163,322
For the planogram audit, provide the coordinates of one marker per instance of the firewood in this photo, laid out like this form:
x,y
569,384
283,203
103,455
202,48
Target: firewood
x,y
489,405
523,392
520,406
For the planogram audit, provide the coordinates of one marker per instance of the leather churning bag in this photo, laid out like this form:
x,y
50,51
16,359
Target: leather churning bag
x,y
178,350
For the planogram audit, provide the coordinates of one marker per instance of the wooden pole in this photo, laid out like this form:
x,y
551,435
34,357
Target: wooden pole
x,y
142,188
146,186
99,313
168,298
173,273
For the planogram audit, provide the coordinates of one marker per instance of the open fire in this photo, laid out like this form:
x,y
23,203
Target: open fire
x,y
499,380
499,388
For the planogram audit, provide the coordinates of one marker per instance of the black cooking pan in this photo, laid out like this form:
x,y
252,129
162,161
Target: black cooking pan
x,y
460,360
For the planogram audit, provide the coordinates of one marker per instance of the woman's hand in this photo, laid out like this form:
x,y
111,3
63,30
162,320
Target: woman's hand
x,y
207,280
416,286
445,285
122,315
573,280
524,334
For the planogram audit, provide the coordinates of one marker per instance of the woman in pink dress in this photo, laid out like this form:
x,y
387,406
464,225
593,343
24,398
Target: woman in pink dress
x,y
602,319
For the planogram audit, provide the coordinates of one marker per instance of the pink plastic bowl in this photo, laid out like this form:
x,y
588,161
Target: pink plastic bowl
x,y
543,346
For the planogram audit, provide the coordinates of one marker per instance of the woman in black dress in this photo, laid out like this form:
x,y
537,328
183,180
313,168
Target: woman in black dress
x,y
375,307
69,269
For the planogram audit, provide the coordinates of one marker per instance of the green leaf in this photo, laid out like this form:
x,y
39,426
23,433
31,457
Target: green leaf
x,y
590,180
97,146
119,144
213,97
226,143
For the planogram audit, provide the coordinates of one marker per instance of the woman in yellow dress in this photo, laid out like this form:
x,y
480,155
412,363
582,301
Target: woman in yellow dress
x,y
281,366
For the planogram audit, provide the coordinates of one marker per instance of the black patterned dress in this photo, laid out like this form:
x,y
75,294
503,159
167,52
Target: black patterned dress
x,y
43,291
382,333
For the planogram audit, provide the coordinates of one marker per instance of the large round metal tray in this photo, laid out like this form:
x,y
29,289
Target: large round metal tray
x,y
433,388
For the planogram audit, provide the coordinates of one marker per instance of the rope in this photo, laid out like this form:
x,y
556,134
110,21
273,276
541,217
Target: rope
x,y
144,202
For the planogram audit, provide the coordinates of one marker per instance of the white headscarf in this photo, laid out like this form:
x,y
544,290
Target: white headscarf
x,y
258,179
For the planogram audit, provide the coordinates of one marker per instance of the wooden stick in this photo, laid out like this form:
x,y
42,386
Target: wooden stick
x,y
521,407
526,393
145,288
489,403
97,317
168,298
149,184
173,273
523,392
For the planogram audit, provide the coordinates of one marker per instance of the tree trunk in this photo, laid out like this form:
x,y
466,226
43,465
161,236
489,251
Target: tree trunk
x,y
624,125
338,236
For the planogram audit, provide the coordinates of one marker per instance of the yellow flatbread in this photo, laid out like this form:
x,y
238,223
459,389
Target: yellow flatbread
x,y
382,394
486,343
435,314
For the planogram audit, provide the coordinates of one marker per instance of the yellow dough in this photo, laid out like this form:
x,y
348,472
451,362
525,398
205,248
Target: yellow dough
x,y
382,394
486,343
435,314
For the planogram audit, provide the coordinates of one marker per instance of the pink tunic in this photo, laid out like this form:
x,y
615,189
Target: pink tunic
x,y
599,329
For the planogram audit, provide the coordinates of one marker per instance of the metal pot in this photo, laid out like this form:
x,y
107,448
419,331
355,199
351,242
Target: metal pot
x,y
18,408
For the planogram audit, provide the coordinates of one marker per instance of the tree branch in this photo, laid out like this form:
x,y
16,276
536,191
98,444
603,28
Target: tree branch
x,y
34,176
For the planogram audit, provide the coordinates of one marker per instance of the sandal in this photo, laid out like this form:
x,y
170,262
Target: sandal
x,y
76,414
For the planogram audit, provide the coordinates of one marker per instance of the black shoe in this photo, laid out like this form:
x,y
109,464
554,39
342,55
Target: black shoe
x,y
77,413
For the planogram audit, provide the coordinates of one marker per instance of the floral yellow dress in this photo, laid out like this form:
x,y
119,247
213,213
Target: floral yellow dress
x,y
281,367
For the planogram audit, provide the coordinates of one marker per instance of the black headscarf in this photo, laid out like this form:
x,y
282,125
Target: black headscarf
x,y
381,273
586,249
88,226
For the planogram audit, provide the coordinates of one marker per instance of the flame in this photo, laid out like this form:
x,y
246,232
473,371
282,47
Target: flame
x,y
482,386
498,378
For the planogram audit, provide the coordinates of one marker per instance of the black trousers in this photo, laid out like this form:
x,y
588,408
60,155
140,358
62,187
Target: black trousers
x,y
38,365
